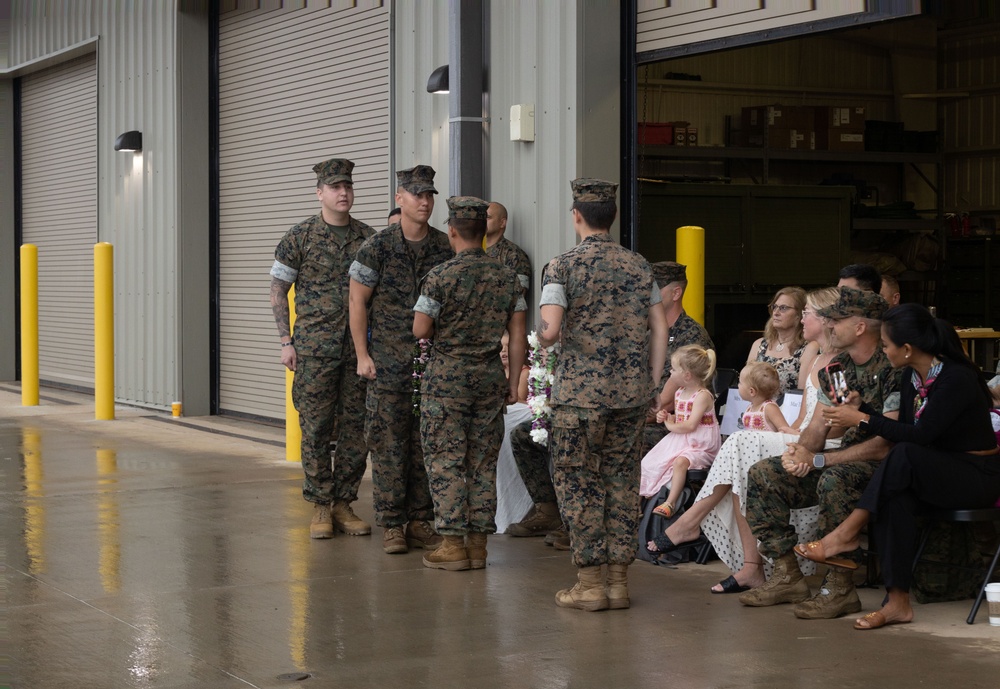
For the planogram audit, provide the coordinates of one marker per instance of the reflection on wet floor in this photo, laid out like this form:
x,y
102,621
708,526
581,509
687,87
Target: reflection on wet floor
x,y
143,554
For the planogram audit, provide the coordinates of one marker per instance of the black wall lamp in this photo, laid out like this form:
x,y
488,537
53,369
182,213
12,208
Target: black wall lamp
x,y
438,81
129,141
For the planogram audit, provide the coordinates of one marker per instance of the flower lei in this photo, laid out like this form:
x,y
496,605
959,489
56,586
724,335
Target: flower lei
x,y
421,353
542,362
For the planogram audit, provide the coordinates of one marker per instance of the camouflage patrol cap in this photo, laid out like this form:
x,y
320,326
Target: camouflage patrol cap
x,y
855,302
590,190
466,208
417,180
334,170
665,272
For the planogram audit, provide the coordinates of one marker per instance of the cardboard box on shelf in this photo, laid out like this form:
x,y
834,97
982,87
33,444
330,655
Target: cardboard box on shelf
x,y
781,138
799,117
840,117
680,136
692,136
840,140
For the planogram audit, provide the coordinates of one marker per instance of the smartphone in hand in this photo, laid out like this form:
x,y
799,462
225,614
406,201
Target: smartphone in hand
x,y
837,382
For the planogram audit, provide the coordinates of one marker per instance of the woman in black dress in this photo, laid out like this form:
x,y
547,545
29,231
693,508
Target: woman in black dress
x,y
945,456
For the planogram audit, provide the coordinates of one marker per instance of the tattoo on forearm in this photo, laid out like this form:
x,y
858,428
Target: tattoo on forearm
x,y
545,325
279,306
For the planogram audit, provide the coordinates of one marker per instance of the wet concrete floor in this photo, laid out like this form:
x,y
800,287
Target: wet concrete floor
x,y
148,552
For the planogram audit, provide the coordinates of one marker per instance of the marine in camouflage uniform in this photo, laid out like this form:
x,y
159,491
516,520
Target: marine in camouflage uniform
x,y
682,332
773,492
315,256
386,276
504,250
598,299
465,305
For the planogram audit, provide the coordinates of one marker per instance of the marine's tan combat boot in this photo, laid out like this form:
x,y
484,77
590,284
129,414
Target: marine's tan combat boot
x,y
836,596
419,534
540,519
393,540
475,544
558,539
345,520
450,555
588,594
321,525
786,585
617,588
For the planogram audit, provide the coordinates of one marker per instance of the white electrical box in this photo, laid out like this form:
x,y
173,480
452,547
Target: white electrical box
x,y
522,122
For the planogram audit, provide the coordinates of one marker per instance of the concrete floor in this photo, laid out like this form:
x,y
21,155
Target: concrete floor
x,y
148,552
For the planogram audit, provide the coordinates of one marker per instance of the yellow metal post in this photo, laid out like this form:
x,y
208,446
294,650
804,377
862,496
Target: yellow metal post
x,y
691,252
104,332
293,432
29,325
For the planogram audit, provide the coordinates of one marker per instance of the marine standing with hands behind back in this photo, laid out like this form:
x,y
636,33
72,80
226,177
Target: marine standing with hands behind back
x,y
315,256
385,279
601,301
465,305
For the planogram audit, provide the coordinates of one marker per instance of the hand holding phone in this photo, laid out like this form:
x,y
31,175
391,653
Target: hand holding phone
x,y
837,382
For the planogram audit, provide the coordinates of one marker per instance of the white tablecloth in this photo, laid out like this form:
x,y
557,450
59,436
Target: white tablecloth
x,y
513,500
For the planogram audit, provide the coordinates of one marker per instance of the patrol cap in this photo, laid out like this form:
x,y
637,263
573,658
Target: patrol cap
x,y
466,208
417,180
590,190
665,272
855,302
334,170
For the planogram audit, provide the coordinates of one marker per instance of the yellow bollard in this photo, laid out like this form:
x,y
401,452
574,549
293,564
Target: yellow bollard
x,y
104,332
29,325
691,252
293,432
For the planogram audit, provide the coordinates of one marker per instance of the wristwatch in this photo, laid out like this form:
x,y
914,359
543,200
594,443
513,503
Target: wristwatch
x,y
819,461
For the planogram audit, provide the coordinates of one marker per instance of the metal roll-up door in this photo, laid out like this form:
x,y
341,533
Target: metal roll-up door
x,y
295,87
59,213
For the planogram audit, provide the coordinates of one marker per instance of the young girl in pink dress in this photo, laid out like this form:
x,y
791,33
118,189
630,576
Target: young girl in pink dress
x,y
758,385
694,431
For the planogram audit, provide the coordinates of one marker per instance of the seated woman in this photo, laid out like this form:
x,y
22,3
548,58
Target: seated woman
x,y
783,345
723,518
945,457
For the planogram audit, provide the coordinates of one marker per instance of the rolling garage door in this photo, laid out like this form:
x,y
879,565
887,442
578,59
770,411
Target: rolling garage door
x,y
296,86
59,213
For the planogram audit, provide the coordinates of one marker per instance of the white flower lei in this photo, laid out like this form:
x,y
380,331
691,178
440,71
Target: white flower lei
x,y
542,362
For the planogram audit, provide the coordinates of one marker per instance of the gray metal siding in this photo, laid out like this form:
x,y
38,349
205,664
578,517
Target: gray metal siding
x,y
296,86
59,213
136,193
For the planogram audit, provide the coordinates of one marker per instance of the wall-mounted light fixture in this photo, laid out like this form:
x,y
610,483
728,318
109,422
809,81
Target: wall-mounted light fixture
x,y
438,81
129,141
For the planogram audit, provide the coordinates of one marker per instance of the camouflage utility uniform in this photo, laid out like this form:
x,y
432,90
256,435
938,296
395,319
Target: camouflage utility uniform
x,y
326,388
513,256
773,492
393,268
532,461
471,299
601,393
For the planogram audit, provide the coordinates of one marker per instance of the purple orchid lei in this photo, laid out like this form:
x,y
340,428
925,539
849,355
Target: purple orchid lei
x,y
542,361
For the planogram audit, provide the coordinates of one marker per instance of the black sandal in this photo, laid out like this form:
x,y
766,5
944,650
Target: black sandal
x,y
730,585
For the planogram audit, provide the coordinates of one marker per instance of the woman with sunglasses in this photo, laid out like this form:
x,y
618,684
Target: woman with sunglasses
x,y
945,456
783,345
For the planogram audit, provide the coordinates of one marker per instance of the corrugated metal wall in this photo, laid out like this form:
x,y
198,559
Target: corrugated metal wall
x,y
59,213
136,192
295,87
970,66
420,119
